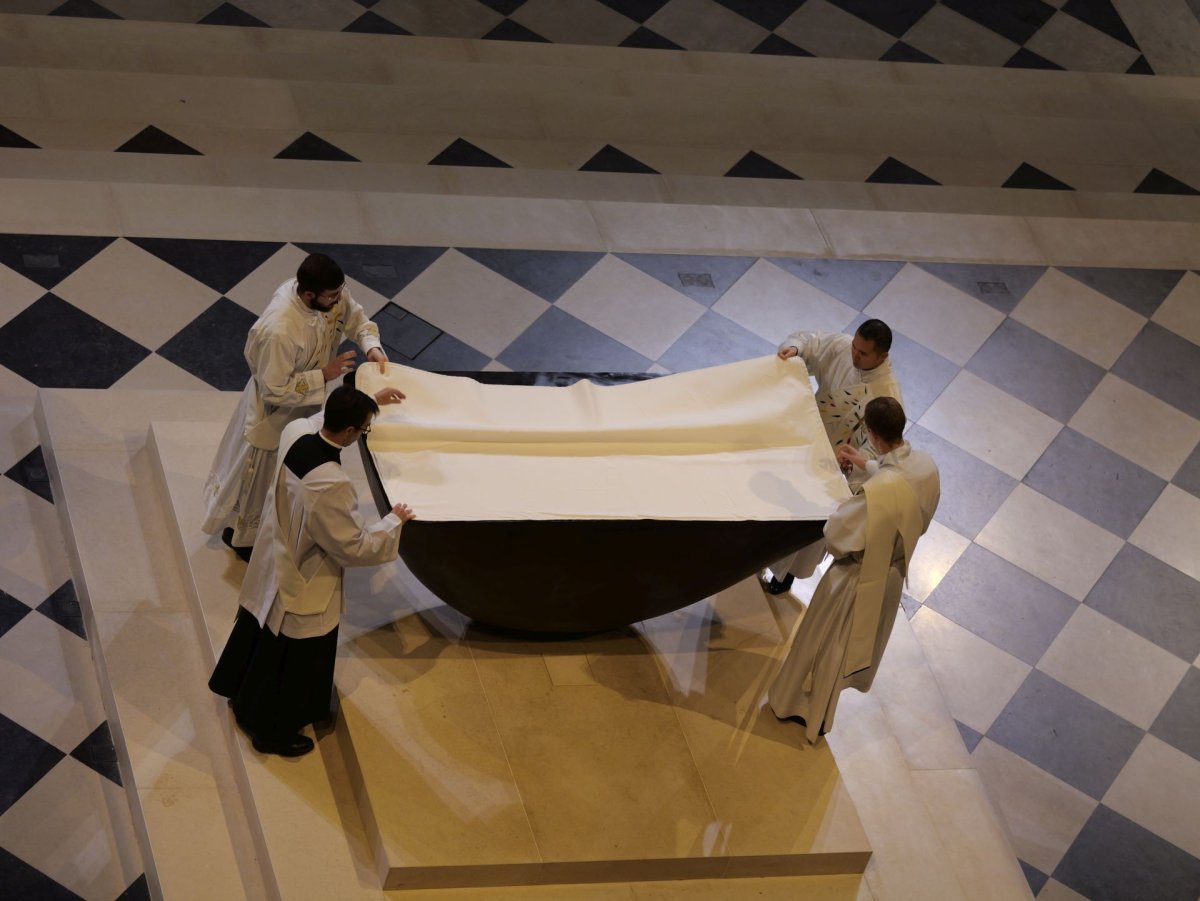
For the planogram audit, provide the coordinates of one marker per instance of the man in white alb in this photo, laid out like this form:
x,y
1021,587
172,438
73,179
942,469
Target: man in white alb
x,y
292,354
871,536
850,371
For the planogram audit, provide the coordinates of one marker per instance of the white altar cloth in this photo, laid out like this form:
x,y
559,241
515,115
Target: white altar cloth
x,y
742,441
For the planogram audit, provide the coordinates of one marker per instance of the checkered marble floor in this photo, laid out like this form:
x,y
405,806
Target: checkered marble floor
x,y
1079,35
1056,596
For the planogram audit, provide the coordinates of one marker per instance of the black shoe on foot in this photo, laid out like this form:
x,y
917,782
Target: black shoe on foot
x,y
294,746
242,552
777,586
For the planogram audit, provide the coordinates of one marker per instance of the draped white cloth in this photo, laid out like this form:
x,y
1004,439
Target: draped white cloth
x,y
742,441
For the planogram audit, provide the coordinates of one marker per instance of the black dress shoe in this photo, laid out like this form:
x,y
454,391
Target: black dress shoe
x,y
242,552
294,746
777,586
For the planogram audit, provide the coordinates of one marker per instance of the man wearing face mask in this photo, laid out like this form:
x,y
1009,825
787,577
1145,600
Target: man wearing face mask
x,y
871,536
850,371
292,354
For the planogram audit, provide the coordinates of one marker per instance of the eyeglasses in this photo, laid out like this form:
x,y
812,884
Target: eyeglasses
x,y
365,429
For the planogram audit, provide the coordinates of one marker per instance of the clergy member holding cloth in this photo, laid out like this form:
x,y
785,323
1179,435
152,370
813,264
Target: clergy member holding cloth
x,y
871,536
277,666
292,354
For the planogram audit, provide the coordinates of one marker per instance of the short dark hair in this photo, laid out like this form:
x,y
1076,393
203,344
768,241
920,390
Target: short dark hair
x,y
348,407
885,417
318,274
877,332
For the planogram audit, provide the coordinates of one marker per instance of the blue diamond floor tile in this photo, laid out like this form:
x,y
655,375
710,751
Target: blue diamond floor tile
x,y
704,279
1094,482
404,335
1178,723
25,883
1188,476
546,273
1151,598
30,472
1032,368
219,265
44,344
48,259
853,282
1156,360
447,354
1035,877
24,759
895,17
923,374
138,890
1115,859
1066,734
1017,20
1142,290
972,491
12,612
711,341
211,346
1000,287
970,737
1002,603
384,269
558,342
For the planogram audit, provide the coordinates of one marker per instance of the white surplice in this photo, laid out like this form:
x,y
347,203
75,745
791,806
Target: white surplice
x,y
311,530
842,636
286,350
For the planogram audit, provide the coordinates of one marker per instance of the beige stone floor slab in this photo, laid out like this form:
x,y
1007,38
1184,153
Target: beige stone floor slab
x,y
1157,789
929,236
1180,311
1169,530
707,229
33,559
771,303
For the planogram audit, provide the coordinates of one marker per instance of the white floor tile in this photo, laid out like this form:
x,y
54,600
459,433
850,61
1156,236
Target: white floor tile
x,y
1138,426
994,426
1158,788
255,291
631,306
773,304
33,559
16,293
1116,668
1042,537
936,552
1169,531
1079,318
1180,312
934,313
977,679
157,373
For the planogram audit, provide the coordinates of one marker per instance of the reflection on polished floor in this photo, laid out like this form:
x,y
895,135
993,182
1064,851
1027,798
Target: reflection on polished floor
x,y
1053,609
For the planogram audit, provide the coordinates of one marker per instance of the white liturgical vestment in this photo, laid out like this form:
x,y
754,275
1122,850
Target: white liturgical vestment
x,y
843,634
286,350
311,530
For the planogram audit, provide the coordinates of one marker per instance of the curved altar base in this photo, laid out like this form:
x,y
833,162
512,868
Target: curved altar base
x,y
556,576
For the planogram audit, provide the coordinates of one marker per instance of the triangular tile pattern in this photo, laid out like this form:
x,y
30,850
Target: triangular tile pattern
x,y
768,14
901,52
1142,290
228,14
1159,182
12,612
853,282
895,16
1102,16
1017,20
48,259
41,344
311,147
893,172
504,7
754,165
1025,58
30,473
62,606
97,752
508,30
1140,66
704,279
646,39
970,737
9,138
84,9
547,273
774,45
373,23
1027,176
1035,877
152,139
1000,287
139,889
211,346
383,268
638,10
460,152
609,159
218,264
26,760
